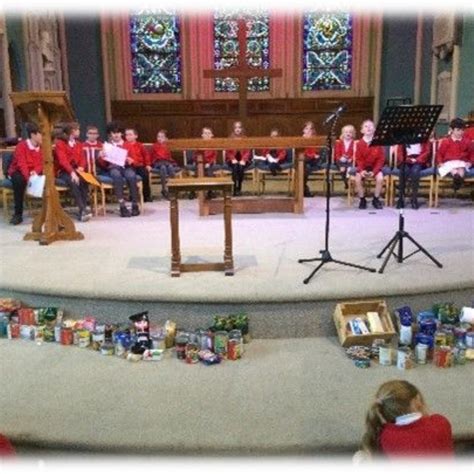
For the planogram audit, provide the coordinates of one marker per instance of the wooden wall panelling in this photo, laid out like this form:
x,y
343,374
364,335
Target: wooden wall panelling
x,y
185,119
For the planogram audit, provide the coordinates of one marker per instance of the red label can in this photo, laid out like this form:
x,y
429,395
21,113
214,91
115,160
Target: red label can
x,y
26,317
67,337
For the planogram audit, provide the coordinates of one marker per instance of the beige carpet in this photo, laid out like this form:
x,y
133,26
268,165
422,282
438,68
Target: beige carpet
x,y
129,259
284,396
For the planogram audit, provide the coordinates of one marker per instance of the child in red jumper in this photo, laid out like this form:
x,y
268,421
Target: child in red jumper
x,y
69,159
369,162
344,151
6,448
27,161
120,174
398,425
271,159
141,161
238,161
92,147
162,161
312,159
454,152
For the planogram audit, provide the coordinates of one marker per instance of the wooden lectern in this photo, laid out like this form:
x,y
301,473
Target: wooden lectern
x,y
46,109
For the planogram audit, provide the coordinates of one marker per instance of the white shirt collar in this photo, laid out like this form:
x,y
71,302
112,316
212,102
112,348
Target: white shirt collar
x,y
71,142
407,419
120,143
30,145
366,140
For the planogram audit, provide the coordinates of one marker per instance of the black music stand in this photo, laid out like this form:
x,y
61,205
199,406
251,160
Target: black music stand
x,y
326,256
405,125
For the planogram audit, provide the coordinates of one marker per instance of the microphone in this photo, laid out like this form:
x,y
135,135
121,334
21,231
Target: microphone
x,y
340,108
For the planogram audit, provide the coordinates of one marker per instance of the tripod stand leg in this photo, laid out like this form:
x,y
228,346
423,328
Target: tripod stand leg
x,y
304,260
361,267
392,247
414,242
306,280
390,242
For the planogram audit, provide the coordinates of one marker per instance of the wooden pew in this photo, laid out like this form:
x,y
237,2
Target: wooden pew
x,y
252,204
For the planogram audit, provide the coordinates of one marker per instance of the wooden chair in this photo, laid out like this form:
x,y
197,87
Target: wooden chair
x,y
5,183
368,182
7,186
287,173
427,176
320,175
106,184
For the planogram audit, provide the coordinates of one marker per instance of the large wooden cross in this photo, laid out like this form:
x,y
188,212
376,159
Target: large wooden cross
x,y
242,72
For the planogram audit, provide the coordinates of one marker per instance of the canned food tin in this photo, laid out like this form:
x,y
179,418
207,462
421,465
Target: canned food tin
x,y
75,336
48,334
459,354
67,337
98,338
220,342
107,349
470,340
421,353
39,334
84,338
460,335
404,358
57,333
4,326
180,343
428,326
406,334
192,353
26,316
440,338
13,331
442,356
26,332
385,354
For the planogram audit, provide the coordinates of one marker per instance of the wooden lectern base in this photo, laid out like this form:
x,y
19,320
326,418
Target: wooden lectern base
x,y
199,185
46,239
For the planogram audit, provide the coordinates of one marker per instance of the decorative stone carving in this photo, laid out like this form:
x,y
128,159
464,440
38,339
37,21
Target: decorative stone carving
x,y
44,53
444,94
446,33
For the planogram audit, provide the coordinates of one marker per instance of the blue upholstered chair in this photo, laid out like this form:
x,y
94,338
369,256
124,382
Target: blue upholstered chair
x,y
287,172
427,176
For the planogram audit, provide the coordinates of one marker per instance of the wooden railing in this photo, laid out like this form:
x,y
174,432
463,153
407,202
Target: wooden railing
x,y
299,144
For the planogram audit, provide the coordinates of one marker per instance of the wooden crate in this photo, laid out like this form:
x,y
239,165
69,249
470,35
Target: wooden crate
x,y
345,312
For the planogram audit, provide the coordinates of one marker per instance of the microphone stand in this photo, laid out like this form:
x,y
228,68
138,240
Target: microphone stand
x,y
326,256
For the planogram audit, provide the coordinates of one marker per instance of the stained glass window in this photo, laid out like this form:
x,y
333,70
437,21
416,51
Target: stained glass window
x,y
226,49
327,51
156,50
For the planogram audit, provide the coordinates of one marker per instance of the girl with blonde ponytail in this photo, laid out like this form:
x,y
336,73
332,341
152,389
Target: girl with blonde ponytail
x,y
398,424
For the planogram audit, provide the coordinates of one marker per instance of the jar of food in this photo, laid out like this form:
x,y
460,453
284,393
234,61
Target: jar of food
x,y
180,344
